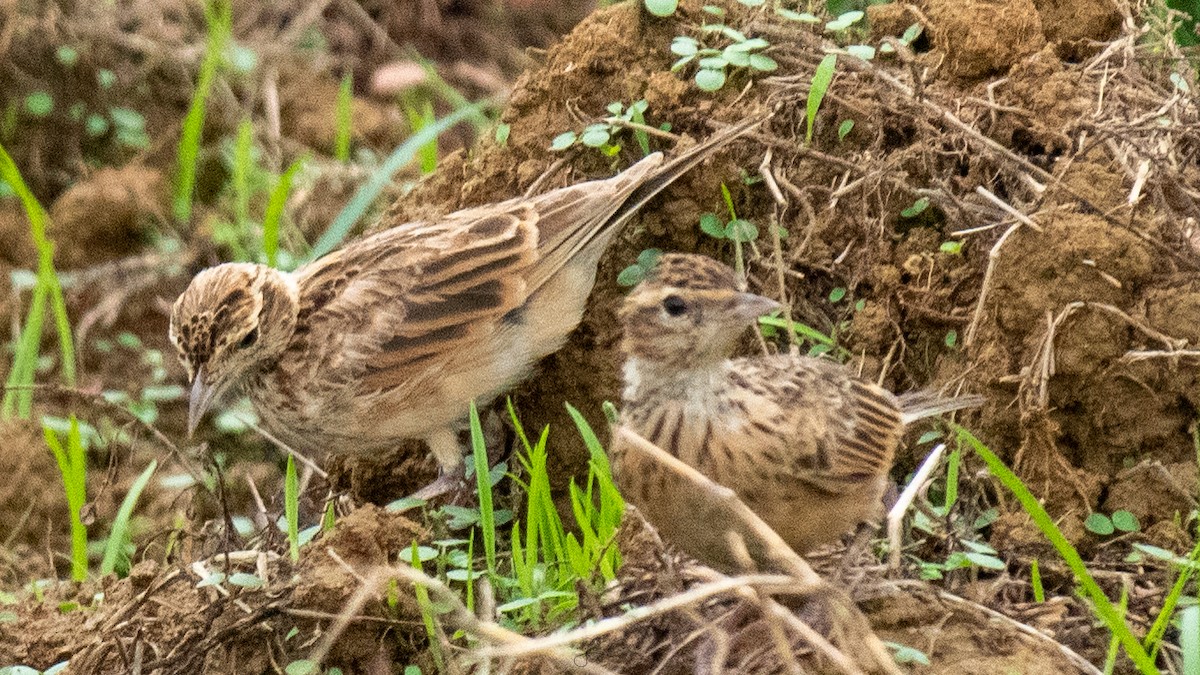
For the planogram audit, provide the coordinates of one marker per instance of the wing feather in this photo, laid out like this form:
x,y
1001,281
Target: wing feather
x,y
411,297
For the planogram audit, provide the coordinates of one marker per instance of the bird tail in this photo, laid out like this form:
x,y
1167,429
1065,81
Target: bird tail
x,y
916,405
671,171
578,222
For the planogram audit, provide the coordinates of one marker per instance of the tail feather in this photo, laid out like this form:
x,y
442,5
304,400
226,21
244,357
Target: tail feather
x,y
680,165
916,405
579,221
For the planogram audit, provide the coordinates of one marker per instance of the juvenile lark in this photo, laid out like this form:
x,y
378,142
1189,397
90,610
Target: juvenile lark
x,y
392,336
804,443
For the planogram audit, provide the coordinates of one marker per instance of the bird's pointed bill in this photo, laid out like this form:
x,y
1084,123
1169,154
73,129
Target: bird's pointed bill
x,y
200,400
749,306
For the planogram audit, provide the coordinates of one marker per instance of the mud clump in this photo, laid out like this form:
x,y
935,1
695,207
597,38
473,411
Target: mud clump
x,y
984,37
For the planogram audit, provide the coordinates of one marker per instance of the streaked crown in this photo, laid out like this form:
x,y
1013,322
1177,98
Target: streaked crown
x,y
226,309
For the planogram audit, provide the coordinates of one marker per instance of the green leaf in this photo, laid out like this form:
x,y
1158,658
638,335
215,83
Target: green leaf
x,y
906,654
1189,633
245,580
821,79
67,55
106,78
39,104
648,258
844,129
1100,524
678,65
517,604
95,125
734,57
911,33
916,209
502,132
1125,521
845,21
708,79
711,225
985,561
749,45
801,17
951,338
951,247
661,7
731,33
302,667
753,3
864,52
631,276
762,62
837,294
595,135
714,10
115,557
563,141
741,230
683,45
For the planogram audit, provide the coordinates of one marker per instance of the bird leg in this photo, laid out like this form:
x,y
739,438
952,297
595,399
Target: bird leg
x,y
444,444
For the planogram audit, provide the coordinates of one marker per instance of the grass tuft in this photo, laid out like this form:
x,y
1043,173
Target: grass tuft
x,y
116,554
18,395
1101,605
72,466
219,16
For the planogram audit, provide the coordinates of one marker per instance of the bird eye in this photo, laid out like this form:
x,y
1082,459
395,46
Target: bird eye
x,y
249,339
674,305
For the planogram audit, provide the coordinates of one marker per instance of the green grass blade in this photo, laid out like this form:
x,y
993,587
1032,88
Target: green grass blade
x,y
428,614
48,287
1153,640
420,115
952,477
274,213
72,465
1101,605
1114,643
1035,580
367,194
449,94
821,79
487,515
343,119
239,180
1189,639
219,16
115,558
18,395
291,507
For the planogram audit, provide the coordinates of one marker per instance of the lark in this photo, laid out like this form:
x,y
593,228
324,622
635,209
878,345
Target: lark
x,y
803,442
392,336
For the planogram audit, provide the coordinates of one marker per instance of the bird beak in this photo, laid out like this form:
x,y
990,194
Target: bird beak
x,y
748,306
199,402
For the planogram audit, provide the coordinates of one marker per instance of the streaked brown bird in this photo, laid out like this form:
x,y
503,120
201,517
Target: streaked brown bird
x,y
803,442
392,336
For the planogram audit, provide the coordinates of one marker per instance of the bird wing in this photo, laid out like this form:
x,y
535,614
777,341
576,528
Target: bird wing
x,y
834,428
413,296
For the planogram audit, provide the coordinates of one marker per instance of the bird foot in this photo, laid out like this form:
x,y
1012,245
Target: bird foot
x,y
445,484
